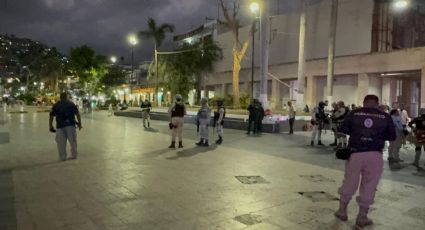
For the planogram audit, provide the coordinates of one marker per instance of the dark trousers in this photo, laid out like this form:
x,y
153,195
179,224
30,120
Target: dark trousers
x,y
252,123
291,125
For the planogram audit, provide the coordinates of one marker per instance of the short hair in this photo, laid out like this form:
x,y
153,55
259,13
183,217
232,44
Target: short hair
x,y
393,111
371,97
64,96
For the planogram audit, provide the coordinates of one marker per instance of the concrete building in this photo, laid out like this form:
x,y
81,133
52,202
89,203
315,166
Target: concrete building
x,y
379,50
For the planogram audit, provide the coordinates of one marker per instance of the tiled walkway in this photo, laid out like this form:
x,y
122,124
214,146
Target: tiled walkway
x,y
127,178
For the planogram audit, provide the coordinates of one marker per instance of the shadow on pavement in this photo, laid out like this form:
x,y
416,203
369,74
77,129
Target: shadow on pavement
x,y
157,152
192,152
152,130
31,166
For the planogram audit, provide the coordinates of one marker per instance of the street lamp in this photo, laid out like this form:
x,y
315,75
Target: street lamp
x,y
132,40
401,4
255,8
113,59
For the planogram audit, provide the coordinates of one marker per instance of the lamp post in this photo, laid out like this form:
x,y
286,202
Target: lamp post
x,y
255,9
132,40
113,59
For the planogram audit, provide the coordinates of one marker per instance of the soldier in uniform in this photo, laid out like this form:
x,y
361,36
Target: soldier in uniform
x,y
368,128
177,113
218,121
418,127
146,107
318,122
204,118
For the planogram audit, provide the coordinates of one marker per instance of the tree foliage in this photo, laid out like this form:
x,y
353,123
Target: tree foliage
x,y
157,33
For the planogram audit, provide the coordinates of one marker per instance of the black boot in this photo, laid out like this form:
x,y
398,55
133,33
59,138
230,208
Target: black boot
x,y
319,143
180,144
219,141
205,143
173,145
201,142
312,143
149,124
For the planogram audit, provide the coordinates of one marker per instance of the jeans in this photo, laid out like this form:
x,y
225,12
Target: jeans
x,y
68,133
291,125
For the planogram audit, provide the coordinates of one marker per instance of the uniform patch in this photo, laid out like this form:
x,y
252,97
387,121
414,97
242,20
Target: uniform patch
x,y
368,123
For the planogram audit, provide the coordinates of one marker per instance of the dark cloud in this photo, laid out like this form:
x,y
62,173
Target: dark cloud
x,y
102,24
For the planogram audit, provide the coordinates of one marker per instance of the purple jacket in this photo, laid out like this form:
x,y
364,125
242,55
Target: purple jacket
x,y
368,128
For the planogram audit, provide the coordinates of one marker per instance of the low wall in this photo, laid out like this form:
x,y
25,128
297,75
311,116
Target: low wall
x,y
229,123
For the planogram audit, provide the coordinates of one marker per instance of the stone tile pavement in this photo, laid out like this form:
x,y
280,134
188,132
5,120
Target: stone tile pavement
x,y
126,178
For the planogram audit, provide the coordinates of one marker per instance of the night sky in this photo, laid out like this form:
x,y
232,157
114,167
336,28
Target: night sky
x,y
102,24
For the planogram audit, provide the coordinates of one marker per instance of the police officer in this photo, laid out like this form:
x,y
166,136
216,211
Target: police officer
x,y
219,121
418,125
146,107
177,112
204,118
318,122
368,128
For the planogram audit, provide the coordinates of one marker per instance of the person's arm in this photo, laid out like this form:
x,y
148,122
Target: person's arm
x,y
220,117
77,114
345,127
390,132
51,115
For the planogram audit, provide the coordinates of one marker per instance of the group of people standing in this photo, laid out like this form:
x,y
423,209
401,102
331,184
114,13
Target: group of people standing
x,y
203,120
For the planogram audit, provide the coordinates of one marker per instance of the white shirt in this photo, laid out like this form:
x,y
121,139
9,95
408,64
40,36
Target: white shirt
x,y
291,112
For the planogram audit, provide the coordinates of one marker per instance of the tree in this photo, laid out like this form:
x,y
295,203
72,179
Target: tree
x,y
49,67
185,66
88,67
114,77
239,50
157,33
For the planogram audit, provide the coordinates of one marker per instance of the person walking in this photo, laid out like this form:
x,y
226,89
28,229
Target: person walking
x,y
291,117
404,121
334,125
146,107
368,128
177,112
219,116
65,113
110,109
394,147
418,127
318,121
204,118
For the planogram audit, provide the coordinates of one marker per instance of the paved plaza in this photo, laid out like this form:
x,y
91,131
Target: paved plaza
x,y
126,179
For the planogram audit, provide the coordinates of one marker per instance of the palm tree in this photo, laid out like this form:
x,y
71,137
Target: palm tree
x,y
157,33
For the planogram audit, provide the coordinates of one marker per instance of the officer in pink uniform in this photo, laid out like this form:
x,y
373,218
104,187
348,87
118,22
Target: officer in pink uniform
x,y
368,128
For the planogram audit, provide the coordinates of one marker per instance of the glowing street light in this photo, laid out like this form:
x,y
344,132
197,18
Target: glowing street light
x,y
254,7
401,4
113,59
132,39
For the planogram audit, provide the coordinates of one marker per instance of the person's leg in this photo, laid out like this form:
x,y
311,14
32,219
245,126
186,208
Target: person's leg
x,y
314,134
319,135
350,184
397,146
61,143
391,152
249,127
418,152
373,166
291,125
71,133
219,130
173,132
180,129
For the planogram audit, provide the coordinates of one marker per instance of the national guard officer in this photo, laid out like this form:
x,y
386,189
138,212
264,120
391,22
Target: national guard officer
x,y
177,113
219,120
418,125
368,128
204,117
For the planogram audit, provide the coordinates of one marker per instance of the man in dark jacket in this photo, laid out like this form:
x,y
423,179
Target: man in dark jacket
x,y
368,128
65,112
418,125
255,116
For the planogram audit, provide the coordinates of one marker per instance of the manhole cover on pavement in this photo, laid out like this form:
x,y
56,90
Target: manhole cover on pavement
x,y
251,180
318,196
317,178
249,219
417,213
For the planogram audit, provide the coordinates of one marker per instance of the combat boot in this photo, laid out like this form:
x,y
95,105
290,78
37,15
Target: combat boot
x,y
173,145
201,142
180,144
319,143
219,141
205,144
